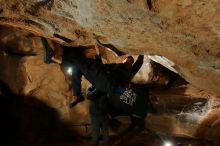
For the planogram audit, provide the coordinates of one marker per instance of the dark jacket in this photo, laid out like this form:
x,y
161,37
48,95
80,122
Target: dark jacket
x,y
98,102
121,74
136,104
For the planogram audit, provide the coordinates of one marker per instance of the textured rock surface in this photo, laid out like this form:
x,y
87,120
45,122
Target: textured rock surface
x,y
191,112
23,69
20,42
185,32
187,28
187,112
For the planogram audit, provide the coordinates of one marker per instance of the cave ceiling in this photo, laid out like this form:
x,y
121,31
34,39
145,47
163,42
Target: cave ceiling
x,y
186,32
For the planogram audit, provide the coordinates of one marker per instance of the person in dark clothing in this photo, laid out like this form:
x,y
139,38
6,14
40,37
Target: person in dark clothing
x,y
123,97
107,78
112,79
99,115
123,72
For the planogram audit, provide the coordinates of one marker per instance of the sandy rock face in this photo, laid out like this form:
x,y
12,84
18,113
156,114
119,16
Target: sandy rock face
x,y
185,32
23,69
31,76
20,42
187,110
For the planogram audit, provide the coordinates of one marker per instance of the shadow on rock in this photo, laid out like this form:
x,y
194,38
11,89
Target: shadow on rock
x,y
26,120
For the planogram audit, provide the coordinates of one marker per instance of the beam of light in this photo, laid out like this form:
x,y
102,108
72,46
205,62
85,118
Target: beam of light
x,y
69,70
167,143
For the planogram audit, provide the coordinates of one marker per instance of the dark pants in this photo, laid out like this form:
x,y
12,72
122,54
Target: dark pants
x,y
100,123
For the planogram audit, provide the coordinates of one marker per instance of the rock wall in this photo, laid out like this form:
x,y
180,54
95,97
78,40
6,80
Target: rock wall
x,y
187,28
187,110
185,32
24,71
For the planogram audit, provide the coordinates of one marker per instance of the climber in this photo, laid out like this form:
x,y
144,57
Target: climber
x,y
99,115
105,77
112,79
101,108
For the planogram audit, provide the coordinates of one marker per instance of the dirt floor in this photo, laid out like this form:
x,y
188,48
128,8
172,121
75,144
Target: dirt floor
x,y
132,138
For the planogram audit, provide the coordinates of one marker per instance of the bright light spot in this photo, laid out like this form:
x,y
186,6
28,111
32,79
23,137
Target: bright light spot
x,y
70,70
168,144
